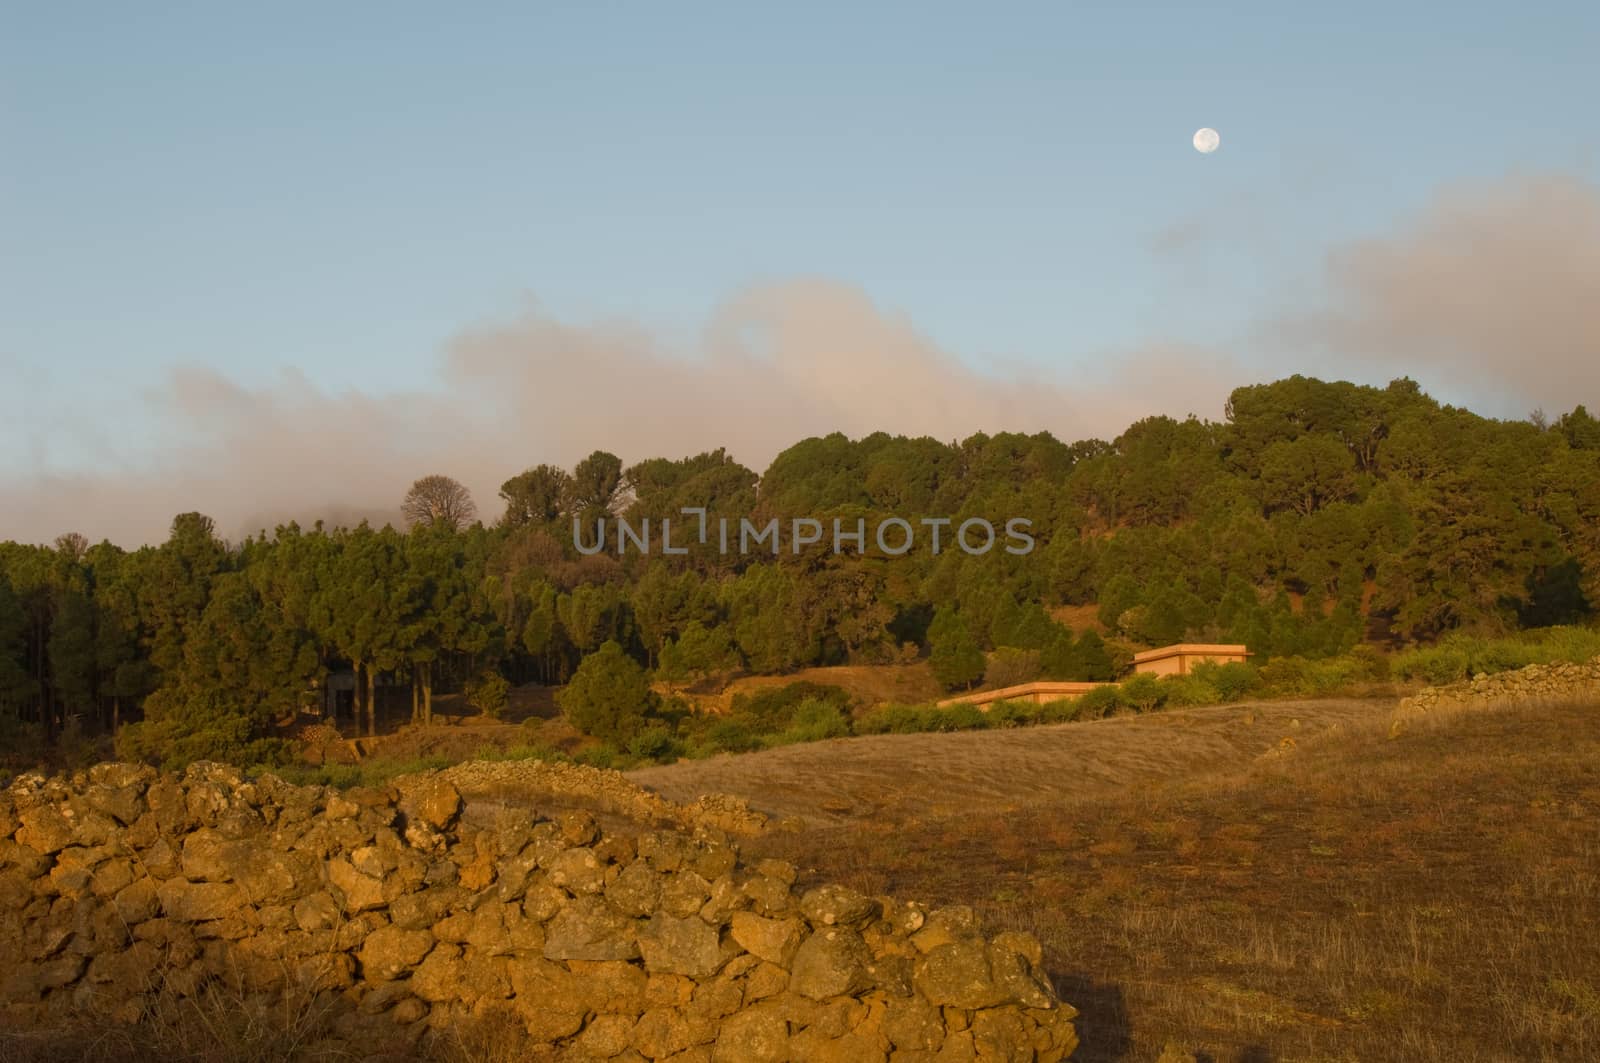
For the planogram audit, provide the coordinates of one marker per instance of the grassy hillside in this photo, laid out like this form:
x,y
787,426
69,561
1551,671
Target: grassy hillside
x,y
1198,879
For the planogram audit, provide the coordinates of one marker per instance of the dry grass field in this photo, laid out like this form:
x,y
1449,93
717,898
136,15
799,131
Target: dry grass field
x,y
1350,897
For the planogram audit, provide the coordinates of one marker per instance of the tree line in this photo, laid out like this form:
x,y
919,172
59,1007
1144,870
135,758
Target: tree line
x,y
1315,516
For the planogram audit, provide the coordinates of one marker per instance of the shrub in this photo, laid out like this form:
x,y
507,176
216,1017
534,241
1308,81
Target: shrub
x,y
731,735
773,708
655,743
1011,714
1061,710
490,692
1099,702
1433,664
814,720
1143,692
1189,690
1232,681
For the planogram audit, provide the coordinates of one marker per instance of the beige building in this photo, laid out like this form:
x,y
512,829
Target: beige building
x,y
1179,659
1032,693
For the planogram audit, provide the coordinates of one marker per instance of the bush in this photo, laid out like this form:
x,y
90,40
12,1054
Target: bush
x,y
1143,692
1061,710
731,735
1433,664
773,708
814,720
489,692
1099,702
1232,681
655,743
1011,714
1188,690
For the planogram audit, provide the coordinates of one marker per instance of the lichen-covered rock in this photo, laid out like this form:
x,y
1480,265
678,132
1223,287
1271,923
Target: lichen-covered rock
x,y
673,945
391,952
589,929
830,963
773,940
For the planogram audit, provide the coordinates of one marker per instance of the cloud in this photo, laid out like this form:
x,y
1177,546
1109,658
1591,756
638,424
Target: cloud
x,y
774,364
1489,292
1494,290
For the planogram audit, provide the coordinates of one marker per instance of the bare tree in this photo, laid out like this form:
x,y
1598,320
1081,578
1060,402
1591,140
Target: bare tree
x,y
438,500
72,545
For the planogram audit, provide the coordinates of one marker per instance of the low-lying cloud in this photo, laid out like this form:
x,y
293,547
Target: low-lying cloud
x,y
1490,291
1494,290
775,364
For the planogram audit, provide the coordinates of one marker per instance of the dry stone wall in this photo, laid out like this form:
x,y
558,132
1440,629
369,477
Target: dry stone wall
x,y
1534,681
407,915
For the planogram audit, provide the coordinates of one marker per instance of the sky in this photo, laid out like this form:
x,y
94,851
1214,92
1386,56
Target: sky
x,y
280,260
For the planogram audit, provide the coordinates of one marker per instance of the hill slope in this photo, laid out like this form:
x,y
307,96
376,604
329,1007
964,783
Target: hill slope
x,y
1430,897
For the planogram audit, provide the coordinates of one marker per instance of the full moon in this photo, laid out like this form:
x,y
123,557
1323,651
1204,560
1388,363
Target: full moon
x,y
1206,141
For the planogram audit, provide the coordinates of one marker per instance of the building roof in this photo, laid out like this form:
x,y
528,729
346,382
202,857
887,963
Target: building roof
x,y
1191,649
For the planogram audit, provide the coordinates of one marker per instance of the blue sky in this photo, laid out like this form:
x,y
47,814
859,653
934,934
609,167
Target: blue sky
x,y
343,188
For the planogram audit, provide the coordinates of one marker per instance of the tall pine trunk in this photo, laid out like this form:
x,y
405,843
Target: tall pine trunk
x,y
416,695
427,693
372,702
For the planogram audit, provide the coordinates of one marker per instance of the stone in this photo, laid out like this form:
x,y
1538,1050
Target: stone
x,y
198,902
913,1024
589,929
437,803
316,911
767,980
611,986
390,952
548,998
684,893
44,829
578,871
672,945
770,896
636,890
605,1037
945,926
360,892
773,940
830,963
756,1035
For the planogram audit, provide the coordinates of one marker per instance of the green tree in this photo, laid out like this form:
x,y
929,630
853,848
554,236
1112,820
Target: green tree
x,y
955,657
609,696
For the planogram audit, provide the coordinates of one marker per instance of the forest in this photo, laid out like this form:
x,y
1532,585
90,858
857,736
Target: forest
x,y
1314,517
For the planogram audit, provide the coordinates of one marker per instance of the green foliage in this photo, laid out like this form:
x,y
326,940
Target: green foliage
x,y
489,692
1143,692
1459,656
1232,680
1099,702
655,743
609,696
775,708
814,719
955,657
1010,667
1188,690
